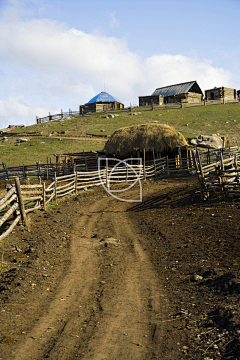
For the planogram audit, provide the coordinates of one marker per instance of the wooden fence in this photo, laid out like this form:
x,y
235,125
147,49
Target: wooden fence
x,y
83,162
178,105
71,113
35,171
219,174
218,171
22,199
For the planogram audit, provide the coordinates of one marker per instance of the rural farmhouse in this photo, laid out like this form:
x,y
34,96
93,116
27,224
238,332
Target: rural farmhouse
x,y
221,94
101,102
188,92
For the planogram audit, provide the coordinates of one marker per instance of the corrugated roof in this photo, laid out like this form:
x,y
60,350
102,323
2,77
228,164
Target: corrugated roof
x,y
103,97
174,89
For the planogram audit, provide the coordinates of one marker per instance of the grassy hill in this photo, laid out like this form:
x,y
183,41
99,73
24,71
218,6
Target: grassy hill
x,y
74,132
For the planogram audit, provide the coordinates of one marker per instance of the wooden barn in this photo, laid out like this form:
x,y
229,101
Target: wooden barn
x,y
221,94
102,102
151,100
188,92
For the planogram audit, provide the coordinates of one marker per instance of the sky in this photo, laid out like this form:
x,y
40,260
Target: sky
x,y
58,54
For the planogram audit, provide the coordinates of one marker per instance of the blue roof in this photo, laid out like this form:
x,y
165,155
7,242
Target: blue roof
x,y
174,89
103,97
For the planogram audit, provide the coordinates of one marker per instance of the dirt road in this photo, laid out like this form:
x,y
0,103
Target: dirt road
x,y
108,298
94,280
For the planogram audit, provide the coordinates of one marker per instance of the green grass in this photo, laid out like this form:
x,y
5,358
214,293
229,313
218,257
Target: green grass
x,y
215,116
204,120
38,149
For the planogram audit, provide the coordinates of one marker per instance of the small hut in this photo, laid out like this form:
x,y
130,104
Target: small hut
x,y
102,102
221,94
157,140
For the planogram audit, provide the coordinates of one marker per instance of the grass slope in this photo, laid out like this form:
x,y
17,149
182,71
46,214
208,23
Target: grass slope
x,y
192,121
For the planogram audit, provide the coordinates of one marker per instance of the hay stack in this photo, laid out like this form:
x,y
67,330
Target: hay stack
x,y
130,140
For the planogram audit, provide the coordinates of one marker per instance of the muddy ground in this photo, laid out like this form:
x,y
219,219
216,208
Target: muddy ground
x,y
97,278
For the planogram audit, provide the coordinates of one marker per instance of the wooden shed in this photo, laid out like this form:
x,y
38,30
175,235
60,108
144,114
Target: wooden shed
x,y
151,100
221,94
102,102
188,92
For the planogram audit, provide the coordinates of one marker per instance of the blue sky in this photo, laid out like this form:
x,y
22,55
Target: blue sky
x,y
58,54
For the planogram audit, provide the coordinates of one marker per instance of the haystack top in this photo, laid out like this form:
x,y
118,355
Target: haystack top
x,y
103,97
130,140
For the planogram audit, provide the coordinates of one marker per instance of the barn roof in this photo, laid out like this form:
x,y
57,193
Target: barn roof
x,y
103,97
175,89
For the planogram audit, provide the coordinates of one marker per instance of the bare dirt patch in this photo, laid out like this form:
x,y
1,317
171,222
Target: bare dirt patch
x,y
96,278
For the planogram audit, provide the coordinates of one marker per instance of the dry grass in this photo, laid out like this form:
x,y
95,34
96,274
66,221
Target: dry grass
x,y
129,140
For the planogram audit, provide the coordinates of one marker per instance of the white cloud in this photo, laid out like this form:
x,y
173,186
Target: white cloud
x,y
16,111
166,69
57,67
113,21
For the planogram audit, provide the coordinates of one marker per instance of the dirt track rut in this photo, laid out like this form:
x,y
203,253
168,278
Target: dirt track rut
x,y
106,305
100,279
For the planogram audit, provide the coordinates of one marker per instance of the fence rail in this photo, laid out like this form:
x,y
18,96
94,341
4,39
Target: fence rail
x,y
71,113
23,199
81,162
30,172
220,176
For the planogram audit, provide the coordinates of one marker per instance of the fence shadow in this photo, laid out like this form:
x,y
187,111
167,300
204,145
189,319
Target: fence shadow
x,y
175,198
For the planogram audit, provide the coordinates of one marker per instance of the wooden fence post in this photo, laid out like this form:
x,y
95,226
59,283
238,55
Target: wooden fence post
x,y
208,157
202,175
23,170
6,169
75,172
55,186
144,163
194,157
44,197
167,165
21,203
237,145
107,173
236,167
180,158
86,164
221,159
154,161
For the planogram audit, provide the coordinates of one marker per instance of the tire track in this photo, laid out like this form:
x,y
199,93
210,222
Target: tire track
x,y
106,305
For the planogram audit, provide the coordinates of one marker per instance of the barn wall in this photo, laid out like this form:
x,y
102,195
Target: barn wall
x,y
220,94
190,97
193,97
148,100
101,107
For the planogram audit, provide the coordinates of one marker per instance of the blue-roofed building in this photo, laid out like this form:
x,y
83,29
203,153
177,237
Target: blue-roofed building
x,y
188,92
102,102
